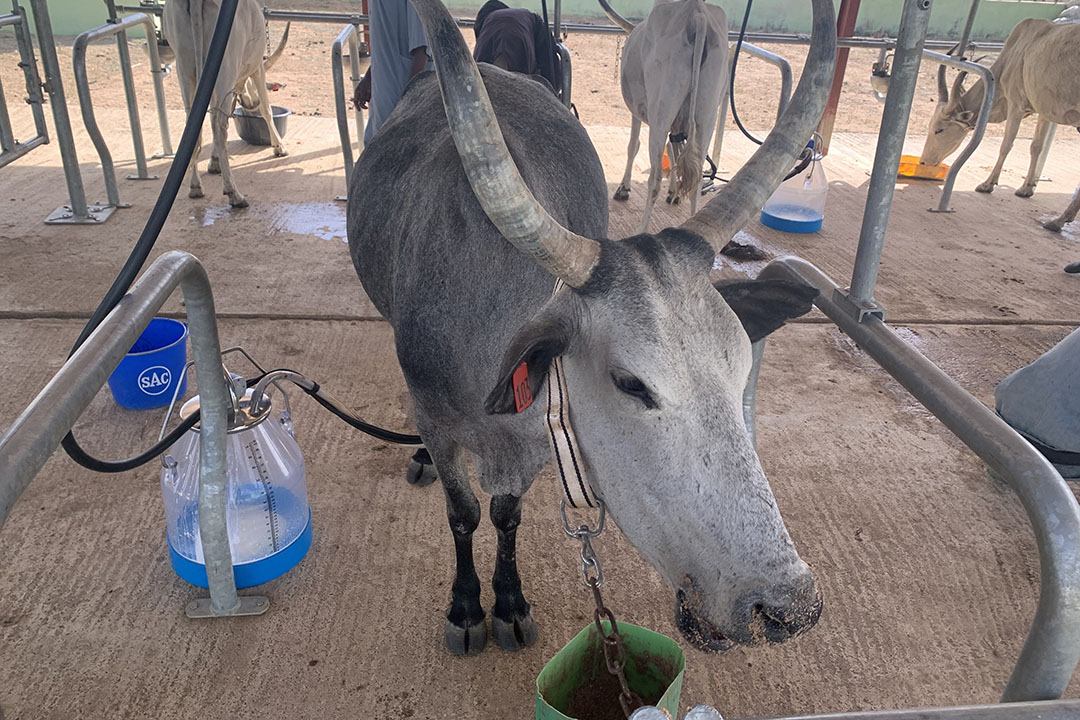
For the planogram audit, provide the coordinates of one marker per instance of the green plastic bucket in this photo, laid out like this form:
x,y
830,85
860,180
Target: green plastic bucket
x,y
576,684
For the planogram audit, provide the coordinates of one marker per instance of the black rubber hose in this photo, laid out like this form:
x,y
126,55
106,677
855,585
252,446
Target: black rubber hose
x,y
149,236
374,431
734,64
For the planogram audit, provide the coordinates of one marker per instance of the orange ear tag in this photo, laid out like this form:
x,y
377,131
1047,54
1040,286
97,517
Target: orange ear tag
x,y
522,394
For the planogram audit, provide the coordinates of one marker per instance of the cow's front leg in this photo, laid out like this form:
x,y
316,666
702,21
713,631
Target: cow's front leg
x,y
1038,142
219,119
1012,125
511,617
465,631
623,191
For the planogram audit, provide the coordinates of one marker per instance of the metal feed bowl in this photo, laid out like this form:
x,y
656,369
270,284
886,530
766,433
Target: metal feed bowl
x,y
252,128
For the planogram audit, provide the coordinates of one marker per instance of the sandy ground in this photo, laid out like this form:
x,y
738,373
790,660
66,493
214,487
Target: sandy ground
x,y
928,567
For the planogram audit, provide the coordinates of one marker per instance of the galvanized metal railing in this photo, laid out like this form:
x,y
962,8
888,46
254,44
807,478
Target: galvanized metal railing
x,y
1052,650
119,28
10,148
37,432
349,34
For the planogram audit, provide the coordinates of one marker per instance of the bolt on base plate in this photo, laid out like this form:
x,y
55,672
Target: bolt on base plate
x,y
249,605
96,214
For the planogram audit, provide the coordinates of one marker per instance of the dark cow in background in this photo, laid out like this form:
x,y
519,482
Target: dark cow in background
x,y
655,358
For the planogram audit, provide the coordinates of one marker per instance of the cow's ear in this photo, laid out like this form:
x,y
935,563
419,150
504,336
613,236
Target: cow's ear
x,y
966,116
525,363
765,305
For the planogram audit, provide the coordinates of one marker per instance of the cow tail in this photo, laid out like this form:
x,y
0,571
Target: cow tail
x,y
688,167
276,55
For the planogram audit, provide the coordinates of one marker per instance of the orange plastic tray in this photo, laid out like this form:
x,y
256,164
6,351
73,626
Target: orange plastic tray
x,y
910,168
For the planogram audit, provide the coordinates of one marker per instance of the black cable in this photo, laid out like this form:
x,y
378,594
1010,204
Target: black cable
x,y
734,64
376,432
182,159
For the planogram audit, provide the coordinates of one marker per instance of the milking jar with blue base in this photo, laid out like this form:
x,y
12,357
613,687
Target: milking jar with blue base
x,y
267,511
798,205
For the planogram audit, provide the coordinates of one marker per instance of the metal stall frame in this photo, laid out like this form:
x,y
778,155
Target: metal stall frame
x,y
78,212
82,84
350,33
37,432
1052,649
980,123
10,148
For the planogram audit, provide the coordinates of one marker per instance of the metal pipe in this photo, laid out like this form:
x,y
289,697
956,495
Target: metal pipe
x,y
7,135
28,63
990,83
914,21
966,34
86,103
785,73
558,21
1048,710
21,149
54,85
1052,648
340,111
316,17
567,74
132,104
9,19
354,65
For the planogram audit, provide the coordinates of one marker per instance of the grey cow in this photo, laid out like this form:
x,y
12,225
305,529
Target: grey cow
x,y
654,357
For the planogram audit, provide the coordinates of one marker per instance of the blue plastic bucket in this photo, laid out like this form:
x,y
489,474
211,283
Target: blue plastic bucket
x,y
147,376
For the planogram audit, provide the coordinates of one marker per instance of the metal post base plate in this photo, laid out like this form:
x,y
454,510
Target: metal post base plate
x,y
249,605
137,177
939,210
95,215
162,156
341,198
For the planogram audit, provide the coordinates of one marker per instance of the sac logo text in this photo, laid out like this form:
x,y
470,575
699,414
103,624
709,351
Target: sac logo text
x,y
155,380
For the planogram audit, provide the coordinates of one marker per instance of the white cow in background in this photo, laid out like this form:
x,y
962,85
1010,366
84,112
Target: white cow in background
x,y
188,26
674,77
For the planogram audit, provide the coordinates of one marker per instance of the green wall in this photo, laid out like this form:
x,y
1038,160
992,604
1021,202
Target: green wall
x,y
993,22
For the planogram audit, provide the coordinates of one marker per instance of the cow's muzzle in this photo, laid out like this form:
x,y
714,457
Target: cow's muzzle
x,y
755,619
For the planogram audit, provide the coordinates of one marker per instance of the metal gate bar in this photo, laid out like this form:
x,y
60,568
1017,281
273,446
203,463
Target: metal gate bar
x,y
10,149
86,103
37,432
350,34
78,212
1047,710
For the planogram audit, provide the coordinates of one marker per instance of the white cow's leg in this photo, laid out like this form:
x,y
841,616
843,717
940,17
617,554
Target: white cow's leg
x,y
219,119
1066,217
657,140
267,112
623,191
1012,125
1042,130
187,91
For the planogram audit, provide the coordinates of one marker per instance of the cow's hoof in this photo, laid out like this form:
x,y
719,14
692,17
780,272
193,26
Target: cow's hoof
x,y
1073,268
420,474
986,187
280,151
1025,191
672,199
465,640
1052,226
214,168
237,200
622,192
519,633
195,193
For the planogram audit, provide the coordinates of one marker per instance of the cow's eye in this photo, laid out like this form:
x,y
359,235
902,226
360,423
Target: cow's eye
x,y
633,386
939,131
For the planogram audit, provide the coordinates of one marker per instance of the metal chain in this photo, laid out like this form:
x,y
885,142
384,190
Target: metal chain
x,y
593,577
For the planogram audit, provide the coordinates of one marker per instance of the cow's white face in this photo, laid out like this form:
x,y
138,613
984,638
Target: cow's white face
x,y
656,364
949,125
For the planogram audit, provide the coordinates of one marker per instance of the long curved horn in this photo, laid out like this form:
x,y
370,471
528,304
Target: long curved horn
x,y
492,173
942,86
616,17
744,195
957,93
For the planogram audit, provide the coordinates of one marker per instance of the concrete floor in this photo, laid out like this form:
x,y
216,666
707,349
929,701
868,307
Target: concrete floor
x,y
928,566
